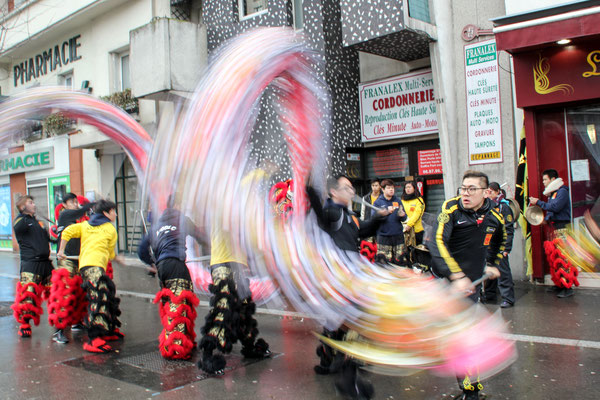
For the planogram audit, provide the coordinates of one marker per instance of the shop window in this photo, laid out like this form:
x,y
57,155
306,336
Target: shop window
x,y
66,80
571,134
582,124
251,8
419,161
5,217
388,163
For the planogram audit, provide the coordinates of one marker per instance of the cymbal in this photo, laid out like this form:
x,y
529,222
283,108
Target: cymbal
x,y
514,207
534,215
591,225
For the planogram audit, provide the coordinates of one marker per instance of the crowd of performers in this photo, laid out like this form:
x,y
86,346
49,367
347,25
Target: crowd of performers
x,y
470,241
80,292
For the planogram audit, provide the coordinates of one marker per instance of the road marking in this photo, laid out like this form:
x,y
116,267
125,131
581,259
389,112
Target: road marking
x,y
510,336
553,340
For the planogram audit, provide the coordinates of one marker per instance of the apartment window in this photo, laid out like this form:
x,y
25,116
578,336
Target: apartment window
x,y
125,74
66,80
248,8
298,14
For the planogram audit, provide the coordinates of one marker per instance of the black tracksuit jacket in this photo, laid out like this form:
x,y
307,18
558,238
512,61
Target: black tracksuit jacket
x,y
466,240
340,223
70,217
33,239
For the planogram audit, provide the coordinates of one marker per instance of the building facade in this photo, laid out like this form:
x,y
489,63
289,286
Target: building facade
x,y
82,45
418,91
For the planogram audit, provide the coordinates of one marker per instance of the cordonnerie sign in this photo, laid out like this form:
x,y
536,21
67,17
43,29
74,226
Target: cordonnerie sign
x,y
26,161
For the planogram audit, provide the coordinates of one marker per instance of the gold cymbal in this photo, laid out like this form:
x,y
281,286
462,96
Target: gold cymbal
x,y
514,207
534,215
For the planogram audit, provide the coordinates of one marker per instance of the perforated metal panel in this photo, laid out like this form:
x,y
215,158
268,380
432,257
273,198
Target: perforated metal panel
x,y
143,365
154,362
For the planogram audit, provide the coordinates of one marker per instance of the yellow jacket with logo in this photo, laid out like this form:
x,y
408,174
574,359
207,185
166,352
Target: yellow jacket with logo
x,y
414,210
97,243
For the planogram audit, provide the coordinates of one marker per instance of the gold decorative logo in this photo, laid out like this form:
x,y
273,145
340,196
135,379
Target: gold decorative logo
x,y
542,82
593,59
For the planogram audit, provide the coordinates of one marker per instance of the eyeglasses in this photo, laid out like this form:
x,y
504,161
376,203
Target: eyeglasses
x,y
470,189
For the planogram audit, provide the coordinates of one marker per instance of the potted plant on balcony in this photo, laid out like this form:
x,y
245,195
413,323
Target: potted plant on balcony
x,y
124,100
56,124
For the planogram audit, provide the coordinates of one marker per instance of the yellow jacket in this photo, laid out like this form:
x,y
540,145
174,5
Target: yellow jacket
x,y
221,250
97,243
414,210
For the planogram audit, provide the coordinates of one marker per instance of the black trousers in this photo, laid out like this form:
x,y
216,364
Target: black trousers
x,y
505,284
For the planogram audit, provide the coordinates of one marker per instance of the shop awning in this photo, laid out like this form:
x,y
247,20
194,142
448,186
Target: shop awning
x,y
539,28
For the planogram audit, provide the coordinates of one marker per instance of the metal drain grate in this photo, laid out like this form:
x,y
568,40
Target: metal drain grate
x,y
154,362
143,365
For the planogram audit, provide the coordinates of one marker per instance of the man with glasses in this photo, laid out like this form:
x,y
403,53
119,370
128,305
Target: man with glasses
x,y
469,242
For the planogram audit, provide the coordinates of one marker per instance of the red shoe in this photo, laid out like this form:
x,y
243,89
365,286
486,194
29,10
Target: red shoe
x,y
25,331
97,346
116,335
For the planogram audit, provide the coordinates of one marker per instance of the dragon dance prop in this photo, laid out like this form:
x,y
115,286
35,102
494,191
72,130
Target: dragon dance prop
x,y
570,250
404,322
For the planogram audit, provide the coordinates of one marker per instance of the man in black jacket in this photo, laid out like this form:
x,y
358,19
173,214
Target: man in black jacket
x,y
36,267
505,282
165,246
469,242
66,304
336,218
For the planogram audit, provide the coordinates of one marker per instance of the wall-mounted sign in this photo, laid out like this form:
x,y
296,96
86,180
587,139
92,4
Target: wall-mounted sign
x,y
397,107
484,120
557,74
27,161
430,162
50,60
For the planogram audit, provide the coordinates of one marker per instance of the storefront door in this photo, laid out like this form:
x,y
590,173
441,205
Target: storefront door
x,y
567,142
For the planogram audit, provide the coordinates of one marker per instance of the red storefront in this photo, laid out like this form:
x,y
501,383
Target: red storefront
x,y
556,57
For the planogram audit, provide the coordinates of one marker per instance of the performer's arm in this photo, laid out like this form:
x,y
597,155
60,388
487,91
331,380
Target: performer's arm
x,y
144,251
510,229
315,204
76,214
444,262
497,244
111,247
417,214
556,204
70,232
